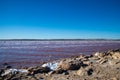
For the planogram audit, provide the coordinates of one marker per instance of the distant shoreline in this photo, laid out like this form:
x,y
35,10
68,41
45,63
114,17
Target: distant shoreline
x,y
59,39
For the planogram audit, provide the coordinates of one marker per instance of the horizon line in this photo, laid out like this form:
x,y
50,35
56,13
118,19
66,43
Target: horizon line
x,y
56,39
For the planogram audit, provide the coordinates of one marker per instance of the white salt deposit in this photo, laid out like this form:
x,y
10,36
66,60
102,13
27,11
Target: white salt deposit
x,y
97,53
51,65
14,71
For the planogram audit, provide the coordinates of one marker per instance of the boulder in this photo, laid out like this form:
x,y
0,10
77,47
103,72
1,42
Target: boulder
x,y
70,64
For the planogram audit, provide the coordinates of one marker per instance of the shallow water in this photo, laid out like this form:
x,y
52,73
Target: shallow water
x,y
33,53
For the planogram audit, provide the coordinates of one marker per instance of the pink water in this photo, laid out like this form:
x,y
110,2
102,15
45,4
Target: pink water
x,y
34,53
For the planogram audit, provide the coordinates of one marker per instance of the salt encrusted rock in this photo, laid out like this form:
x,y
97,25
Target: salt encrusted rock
x,y
14,71
70,64
51,65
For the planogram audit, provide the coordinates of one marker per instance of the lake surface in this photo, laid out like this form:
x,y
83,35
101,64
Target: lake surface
x,y
34,53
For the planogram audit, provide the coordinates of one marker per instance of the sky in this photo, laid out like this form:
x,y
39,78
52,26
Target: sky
x,y
59,19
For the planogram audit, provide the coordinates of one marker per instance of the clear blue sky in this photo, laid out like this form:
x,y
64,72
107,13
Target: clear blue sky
x,y
56,19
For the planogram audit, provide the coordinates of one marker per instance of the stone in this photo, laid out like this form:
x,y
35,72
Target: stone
x,y
114,78
1,78
101,61
59,71
99,54
116,55
8,67
66,73
1,71
39,70
82,72
51,72
41,78
70,64
114,61
85,71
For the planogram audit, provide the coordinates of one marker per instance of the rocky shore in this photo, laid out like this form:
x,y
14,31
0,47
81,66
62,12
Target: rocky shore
x,y
98,66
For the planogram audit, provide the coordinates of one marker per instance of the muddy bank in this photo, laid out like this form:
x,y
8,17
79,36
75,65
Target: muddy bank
x,y
98,66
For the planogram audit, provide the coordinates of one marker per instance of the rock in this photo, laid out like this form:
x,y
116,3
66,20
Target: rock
x,y
14,71
116,55
70,64
114,78
116,50
39,70
8,76
59,78
1,78
66,73
102,60
51,65
113,62
82,72
86,63
1,71
15,78
51,72
41,78
59,71
99,54
85,72
8,67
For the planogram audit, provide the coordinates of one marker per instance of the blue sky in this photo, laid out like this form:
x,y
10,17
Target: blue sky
x,y
56,19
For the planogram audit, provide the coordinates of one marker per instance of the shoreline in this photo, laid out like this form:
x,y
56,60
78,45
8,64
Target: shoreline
x,y
97,66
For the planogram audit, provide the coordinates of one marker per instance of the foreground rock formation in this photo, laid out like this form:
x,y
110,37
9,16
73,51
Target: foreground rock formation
x,y
98,66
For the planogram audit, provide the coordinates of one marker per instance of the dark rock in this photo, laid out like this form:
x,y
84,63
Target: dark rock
x,y
8,67
1,71
66,73
39,70
41,78
8,76
90,71
60,71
